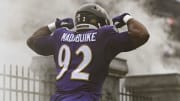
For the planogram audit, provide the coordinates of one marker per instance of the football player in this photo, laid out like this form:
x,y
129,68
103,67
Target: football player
x,y
83,56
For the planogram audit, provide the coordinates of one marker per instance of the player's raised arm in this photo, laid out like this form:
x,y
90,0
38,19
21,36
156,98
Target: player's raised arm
x,y
137,31
36,42
41,41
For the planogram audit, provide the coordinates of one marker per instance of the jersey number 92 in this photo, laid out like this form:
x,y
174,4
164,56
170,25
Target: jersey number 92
x,y
64,58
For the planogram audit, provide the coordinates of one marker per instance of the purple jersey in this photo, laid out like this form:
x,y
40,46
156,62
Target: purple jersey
x,y
82,59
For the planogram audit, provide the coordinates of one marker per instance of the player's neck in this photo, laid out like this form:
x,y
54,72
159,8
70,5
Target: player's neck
x,y
83,30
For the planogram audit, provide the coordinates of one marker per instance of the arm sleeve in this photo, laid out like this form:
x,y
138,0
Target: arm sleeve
x,y
44,45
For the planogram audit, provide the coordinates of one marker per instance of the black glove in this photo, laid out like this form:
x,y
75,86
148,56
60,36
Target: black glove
x,y
118,20
67,22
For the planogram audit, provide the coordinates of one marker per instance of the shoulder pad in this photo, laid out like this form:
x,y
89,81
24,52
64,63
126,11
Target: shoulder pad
x,y
108,28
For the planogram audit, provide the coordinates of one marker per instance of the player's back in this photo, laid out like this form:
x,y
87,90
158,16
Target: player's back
x,y
82,59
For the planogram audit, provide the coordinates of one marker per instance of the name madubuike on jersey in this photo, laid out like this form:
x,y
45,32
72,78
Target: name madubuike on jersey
x,y
85,37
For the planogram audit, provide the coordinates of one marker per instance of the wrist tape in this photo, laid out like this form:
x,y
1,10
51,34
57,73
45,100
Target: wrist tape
x,y
126,18
52,27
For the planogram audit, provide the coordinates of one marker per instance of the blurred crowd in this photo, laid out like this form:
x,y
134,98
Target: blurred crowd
x,y
171,10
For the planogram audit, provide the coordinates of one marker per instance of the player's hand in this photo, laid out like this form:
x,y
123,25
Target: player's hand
x,y
67,22
118,20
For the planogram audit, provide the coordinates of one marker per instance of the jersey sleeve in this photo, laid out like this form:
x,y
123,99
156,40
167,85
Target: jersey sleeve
x,y
119,42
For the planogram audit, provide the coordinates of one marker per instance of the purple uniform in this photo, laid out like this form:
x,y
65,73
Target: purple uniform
x,y
82,60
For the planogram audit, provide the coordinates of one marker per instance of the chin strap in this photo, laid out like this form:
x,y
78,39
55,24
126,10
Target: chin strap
x,y
85,26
